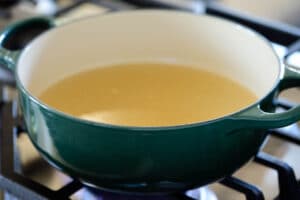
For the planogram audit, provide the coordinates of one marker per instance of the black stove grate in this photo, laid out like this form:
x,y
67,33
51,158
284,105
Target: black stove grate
x,y
11,125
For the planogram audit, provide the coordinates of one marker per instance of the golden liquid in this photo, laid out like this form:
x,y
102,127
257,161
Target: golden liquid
x,y
145,94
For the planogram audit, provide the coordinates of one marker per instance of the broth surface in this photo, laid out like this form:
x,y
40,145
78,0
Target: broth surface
x,y
147,94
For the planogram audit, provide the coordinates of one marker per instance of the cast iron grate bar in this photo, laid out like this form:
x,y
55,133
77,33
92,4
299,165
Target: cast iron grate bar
x,y
292,134
9,180
13,182
283,104
69,189
111,6
183,197
151,4
250,191
288,185
293,48
285,136
69,8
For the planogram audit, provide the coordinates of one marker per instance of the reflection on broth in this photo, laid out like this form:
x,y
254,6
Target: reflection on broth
x,y
147,94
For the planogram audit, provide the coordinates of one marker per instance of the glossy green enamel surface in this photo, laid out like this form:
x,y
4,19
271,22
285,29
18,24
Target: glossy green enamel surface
x,y
150,160
32,26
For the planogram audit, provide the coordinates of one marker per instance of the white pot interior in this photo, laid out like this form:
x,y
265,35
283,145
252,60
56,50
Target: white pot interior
x,y
150,36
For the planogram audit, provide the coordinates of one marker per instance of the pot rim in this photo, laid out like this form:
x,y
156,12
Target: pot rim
x,y
152,128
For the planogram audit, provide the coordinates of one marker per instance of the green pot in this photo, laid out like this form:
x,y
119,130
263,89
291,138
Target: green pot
x,y
149,159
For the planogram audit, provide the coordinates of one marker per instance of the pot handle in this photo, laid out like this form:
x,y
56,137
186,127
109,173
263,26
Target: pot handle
x,y
255,117
16,36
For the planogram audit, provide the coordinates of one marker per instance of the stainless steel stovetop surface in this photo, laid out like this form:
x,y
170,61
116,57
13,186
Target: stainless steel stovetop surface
x,y
286,11
262,177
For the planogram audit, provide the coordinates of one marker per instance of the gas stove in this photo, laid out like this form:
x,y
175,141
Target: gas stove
x,y
272,174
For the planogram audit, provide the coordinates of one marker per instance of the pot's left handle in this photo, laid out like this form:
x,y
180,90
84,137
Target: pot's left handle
x,y
16,36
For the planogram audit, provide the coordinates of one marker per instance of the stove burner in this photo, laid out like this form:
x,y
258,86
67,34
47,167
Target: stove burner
x,y
94,194
197,194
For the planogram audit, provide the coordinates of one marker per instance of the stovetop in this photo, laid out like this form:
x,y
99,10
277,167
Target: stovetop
x,y
271,174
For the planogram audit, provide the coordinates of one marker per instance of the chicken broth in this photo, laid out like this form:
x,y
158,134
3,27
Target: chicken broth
x,y
147,94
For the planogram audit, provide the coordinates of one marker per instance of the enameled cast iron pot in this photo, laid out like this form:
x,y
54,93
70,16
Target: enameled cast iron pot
x,y
149,159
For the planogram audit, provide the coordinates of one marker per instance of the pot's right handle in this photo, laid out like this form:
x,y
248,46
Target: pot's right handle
x,y
21,32
255,117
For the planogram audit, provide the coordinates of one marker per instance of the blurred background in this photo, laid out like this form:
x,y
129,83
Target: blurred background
x,y
285,11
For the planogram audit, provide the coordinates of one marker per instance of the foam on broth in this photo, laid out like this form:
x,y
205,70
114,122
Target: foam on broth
x,y
147,94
